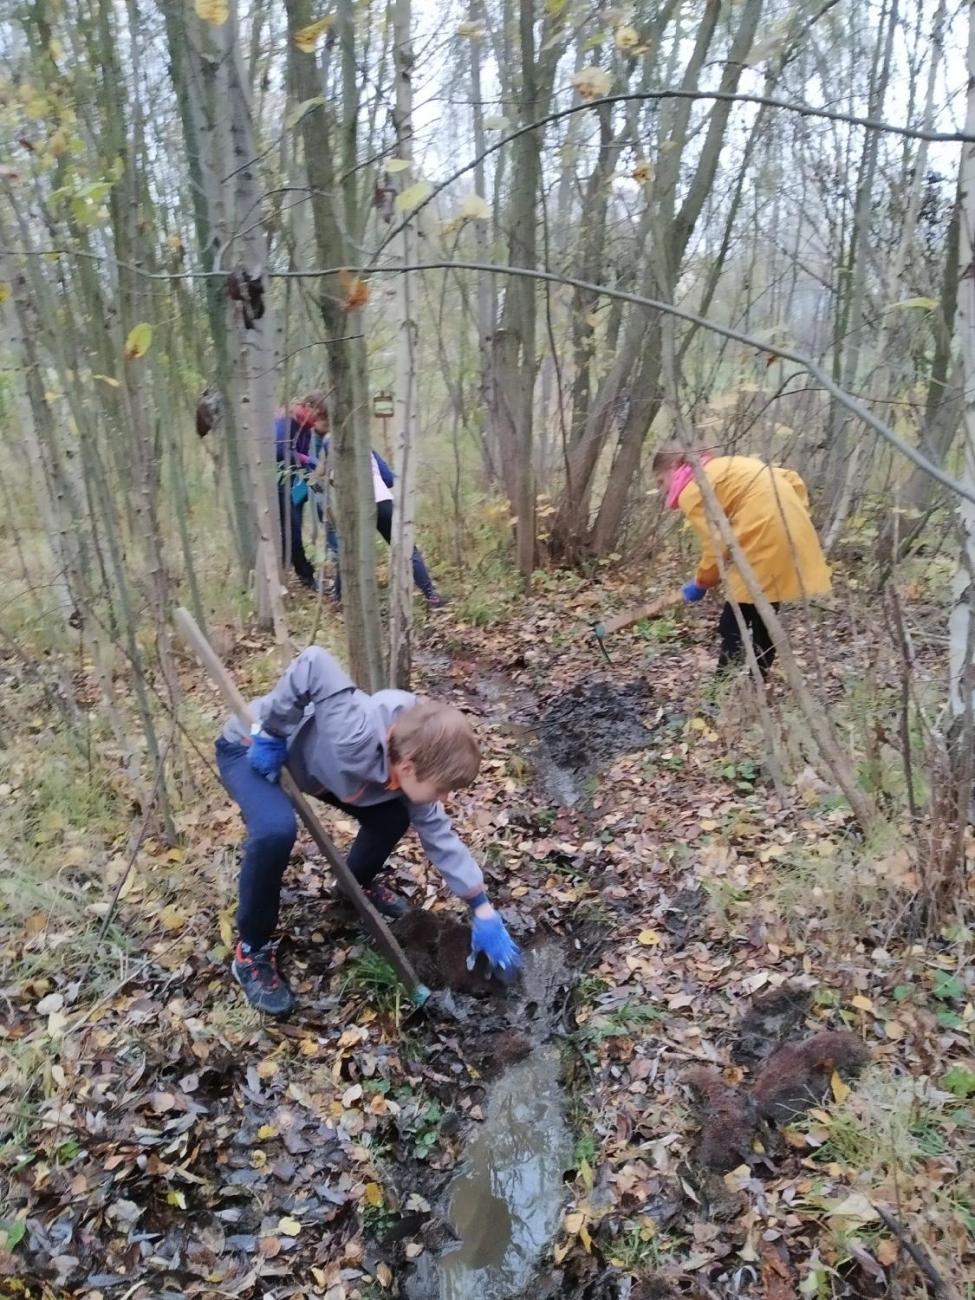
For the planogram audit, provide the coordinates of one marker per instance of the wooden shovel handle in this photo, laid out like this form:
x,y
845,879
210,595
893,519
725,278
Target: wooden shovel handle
x,y
374,923
631,616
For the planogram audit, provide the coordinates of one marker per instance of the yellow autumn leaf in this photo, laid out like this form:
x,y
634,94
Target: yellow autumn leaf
x,y
560,1250
289,1227
794,1138
861,1003
106,379
627,38
266,1131
266,1068
575,1222
649,938
226,929
475,208
585,1238
394,165
413,196
894,1030
258,1159
838,1088
172,918
214,12
308,1047
138,342
4,292
384,1276
592,83
307,38
296,115
176,1198
373,1195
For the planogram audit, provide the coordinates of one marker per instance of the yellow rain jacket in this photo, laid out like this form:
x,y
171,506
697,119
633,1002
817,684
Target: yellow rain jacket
x,y
768,509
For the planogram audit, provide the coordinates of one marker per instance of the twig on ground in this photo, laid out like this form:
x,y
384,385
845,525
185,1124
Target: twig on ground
x,y
942,1290
136,846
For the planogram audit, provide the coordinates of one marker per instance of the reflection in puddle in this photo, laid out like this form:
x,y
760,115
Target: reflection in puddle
x,y
505,1206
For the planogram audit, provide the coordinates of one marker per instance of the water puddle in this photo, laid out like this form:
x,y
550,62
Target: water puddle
x,y
505,1203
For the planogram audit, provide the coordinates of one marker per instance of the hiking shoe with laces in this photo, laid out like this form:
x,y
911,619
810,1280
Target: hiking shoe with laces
x,y
386,902
256,971
436,601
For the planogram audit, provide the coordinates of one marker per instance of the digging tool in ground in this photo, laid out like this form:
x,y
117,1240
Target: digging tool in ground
x,y
371,919
606,627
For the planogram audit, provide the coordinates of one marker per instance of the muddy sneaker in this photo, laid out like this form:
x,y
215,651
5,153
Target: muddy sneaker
x,y
256,971
386,902
436,601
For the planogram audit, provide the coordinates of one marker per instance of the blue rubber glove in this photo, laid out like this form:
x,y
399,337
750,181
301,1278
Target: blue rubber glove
x,y
692,593
488,936
267,754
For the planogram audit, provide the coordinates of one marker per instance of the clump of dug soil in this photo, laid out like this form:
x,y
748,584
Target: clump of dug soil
x,y
438,946
773,1018
793,1078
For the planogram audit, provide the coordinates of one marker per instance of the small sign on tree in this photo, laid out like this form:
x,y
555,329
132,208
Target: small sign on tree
x,y
382,406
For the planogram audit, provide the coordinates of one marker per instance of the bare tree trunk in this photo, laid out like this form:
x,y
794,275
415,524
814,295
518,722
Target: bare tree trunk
x,y
194,82
961,626
517,375
407,379
487,292
845,461
47,481
335,205
942,414
671,234
246,259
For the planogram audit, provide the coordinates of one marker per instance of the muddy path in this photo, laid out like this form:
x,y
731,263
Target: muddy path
x,y
184,1147
493,1222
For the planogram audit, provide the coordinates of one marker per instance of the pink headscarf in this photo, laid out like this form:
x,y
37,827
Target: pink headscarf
x,y
680,478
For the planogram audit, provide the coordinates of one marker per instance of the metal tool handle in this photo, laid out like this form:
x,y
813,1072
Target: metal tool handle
x,y
374,923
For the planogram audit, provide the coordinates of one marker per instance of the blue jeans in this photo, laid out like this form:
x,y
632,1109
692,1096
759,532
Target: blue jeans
x,y
272,826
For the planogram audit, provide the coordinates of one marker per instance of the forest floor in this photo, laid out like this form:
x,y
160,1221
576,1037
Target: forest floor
x,y
164,1141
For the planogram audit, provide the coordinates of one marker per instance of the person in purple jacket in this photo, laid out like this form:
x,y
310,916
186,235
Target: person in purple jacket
x,y
294,428
387,760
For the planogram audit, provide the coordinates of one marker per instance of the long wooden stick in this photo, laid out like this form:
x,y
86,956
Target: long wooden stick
x,y
606,627
374,923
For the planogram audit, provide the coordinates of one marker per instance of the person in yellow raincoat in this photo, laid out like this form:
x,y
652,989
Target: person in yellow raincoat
x,y
768,510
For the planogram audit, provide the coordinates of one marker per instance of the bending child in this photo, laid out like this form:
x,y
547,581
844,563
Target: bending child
x,y
768,510
387,760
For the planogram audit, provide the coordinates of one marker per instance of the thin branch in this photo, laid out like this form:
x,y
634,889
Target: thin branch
x,y
640,300
137,842
733,97
942,1289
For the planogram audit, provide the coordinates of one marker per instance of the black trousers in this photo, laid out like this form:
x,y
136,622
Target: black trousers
x,y
732,648
384,526
290,517
381,827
